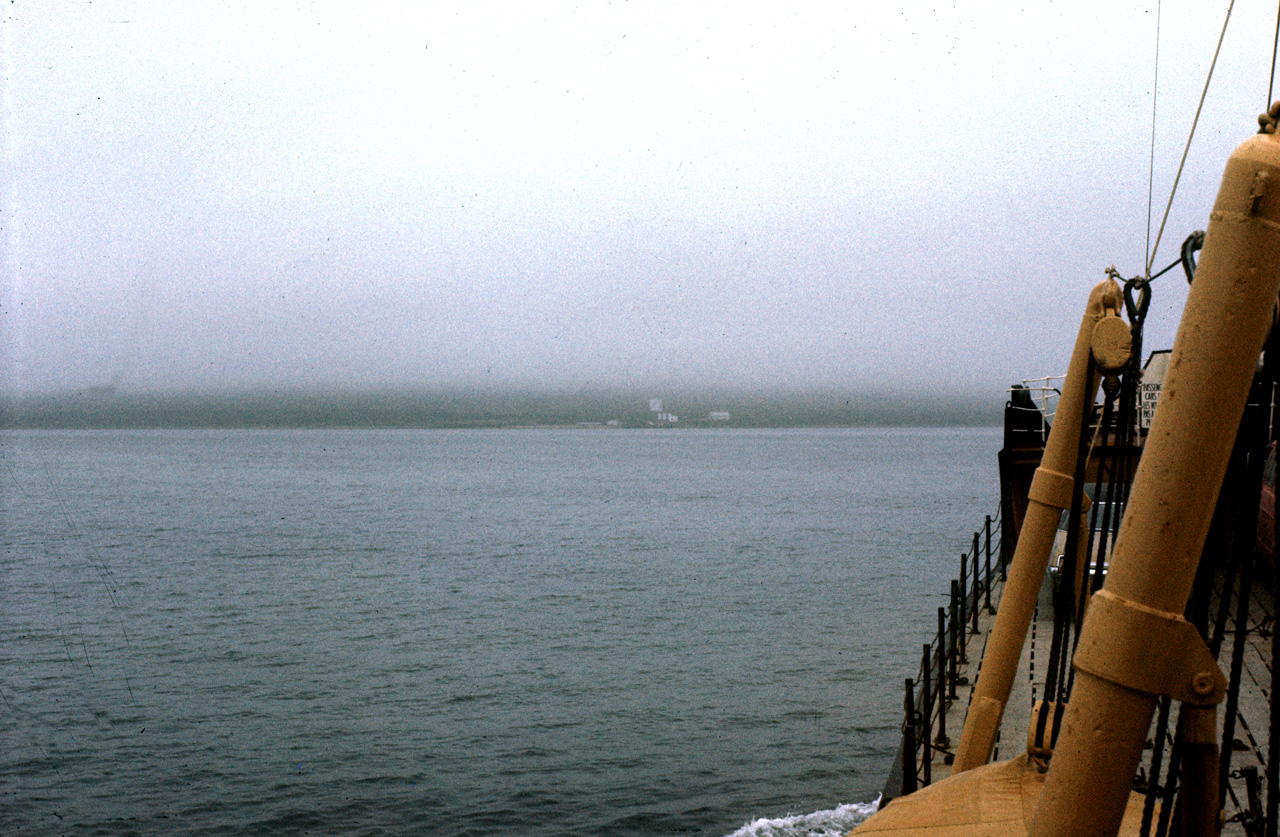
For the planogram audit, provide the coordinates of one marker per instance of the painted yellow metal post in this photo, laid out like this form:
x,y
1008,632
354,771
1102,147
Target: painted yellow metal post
x,y
1050,494
1227,318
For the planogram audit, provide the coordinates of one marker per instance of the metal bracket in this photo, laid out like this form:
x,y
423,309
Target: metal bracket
x,y
1051,488
1147,650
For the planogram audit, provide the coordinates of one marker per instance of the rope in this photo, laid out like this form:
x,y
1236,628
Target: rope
x,y
1151,254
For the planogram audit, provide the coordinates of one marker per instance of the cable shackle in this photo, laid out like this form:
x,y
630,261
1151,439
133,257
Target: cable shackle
x,y
1137,299
1194,242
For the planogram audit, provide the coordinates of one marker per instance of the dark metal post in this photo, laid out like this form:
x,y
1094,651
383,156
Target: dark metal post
x,y
940,740
909,779
976,584
926,714
987,588
963,594
957,623
1006,522
948,649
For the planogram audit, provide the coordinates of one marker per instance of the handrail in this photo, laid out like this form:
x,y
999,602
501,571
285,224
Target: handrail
x,y
1044,393
931,693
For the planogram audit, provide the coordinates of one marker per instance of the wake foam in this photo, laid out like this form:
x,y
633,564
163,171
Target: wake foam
x,y
834,823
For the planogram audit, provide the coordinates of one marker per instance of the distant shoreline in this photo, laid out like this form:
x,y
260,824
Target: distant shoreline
x,y
462,409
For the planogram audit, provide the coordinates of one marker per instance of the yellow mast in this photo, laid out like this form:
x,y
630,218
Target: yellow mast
x,y
1050,494
1135,644
1227,318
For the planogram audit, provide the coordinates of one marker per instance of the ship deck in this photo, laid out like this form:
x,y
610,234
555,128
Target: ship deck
x,y
1243,805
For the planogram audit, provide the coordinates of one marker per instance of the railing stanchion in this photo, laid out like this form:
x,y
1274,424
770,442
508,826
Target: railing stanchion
x,y
941,739
987,588
1006,522
949,653
976,584
926,715
910,781
957,623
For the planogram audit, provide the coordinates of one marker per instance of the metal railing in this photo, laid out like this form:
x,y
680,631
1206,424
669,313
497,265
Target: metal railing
x,y
1044,394
931,693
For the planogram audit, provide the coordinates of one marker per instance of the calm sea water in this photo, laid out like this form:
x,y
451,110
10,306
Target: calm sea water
x,y
532,632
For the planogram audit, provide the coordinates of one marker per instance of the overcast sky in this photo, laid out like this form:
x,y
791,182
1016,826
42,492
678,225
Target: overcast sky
x,y
208,195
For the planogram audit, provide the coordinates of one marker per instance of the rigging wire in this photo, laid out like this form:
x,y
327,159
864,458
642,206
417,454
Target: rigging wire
x,y
1151,164
1151,254
1276,42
